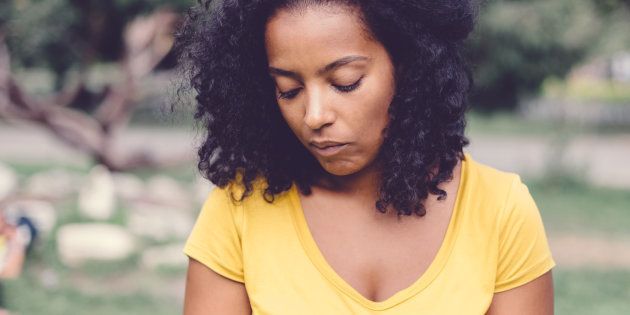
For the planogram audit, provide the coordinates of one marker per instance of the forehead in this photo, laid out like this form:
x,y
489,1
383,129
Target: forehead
x,y
315,34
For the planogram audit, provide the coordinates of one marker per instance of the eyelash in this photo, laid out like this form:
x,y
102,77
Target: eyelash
x,y
341,88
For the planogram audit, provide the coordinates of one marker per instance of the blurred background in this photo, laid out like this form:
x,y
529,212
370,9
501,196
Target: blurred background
x,y
93,156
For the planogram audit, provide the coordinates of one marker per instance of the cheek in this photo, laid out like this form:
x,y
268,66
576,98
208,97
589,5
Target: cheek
x,y
293,118
375,116
373,135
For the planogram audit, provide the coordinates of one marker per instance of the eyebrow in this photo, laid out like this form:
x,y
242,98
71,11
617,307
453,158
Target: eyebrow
x,y
329,67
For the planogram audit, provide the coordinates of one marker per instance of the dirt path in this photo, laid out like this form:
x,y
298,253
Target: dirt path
x,y
577,251
600,159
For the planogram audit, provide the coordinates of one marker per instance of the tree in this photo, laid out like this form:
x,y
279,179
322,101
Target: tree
x,y
147,41
517,44
64,34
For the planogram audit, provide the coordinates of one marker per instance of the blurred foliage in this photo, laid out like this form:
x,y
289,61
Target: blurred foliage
x,y
516,46
62,34
584,89
519,43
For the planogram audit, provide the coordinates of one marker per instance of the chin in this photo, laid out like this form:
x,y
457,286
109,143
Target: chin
x,y
339,168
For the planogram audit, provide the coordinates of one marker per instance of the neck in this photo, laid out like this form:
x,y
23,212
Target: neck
x,y
363,183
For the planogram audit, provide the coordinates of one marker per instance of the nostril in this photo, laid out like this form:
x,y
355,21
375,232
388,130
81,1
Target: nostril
x,y
318,113
318,122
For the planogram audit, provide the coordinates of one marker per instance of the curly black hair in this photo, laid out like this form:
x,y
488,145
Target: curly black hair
x,y
221,49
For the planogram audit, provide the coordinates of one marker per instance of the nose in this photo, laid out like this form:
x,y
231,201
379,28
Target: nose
x,y
318,113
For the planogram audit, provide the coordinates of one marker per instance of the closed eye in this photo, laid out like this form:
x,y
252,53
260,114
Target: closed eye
x,y
342,88
349,88
289,95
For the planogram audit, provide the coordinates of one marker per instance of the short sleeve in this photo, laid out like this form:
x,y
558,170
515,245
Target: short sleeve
x,y
215,240
524,252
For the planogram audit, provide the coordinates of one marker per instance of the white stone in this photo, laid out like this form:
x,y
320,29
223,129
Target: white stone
x,y
158,222
49,278
168,191
97,197
55,183
8,181
41,212
128,186
81,242
169,256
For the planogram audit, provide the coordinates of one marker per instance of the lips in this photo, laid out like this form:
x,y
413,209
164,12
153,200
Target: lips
x,y
326,144
328,148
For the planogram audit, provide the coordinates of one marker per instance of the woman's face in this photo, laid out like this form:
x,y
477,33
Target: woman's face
x,y
334,84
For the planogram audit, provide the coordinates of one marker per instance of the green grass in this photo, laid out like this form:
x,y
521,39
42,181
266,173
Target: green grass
x,y
508,123
27,296
183,174
592,292
571,206
587,90
505,123
181,116
29,169
568,205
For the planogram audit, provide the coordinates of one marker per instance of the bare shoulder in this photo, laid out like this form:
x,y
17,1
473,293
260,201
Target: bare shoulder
x,y
534,297
207,292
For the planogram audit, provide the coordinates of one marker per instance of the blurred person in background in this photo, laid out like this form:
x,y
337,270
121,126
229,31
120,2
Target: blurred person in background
x,y
16,237
335,135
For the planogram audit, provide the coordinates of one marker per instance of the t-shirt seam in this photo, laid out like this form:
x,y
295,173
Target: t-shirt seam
x,y
502,219
502,213
500,222
524,275
239,232
213,260
232,209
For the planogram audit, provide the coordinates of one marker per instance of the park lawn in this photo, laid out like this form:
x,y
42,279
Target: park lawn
x,y
505,123
574,207
508,123
568,206
592,292
27,296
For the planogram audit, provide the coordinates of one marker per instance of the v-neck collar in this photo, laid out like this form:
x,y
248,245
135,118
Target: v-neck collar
x,y
439,261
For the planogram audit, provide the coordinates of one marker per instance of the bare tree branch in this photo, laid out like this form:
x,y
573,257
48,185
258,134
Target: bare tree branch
x,y
147,41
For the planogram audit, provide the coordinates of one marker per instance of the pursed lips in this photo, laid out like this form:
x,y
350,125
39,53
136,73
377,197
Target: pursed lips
x,y
326,144
328,148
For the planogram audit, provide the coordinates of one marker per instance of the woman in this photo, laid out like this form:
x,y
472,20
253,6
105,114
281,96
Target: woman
x,y
335,132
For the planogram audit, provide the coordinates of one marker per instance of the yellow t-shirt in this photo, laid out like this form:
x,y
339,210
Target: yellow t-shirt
x,y
495,241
